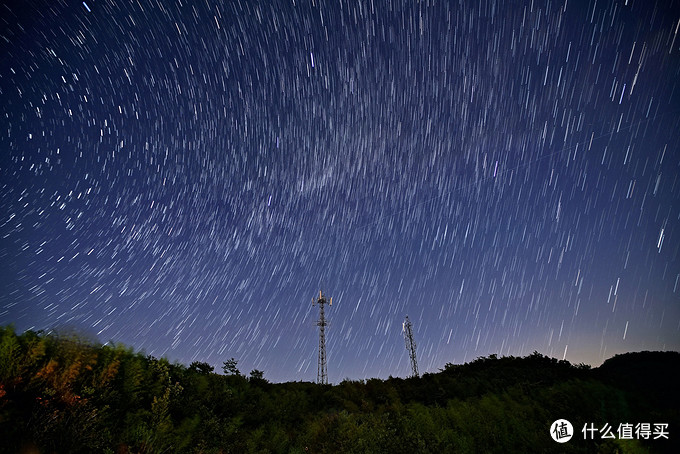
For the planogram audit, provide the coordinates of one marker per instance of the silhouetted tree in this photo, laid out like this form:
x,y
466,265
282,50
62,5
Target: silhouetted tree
x,y
230,368
201,368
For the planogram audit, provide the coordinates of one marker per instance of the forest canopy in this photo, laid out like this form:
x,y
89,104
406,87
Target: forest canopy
x,y
63,393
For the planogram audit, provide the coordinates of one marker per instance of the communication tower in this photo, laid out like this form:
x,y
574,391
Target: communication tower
x,y
321,371
410,345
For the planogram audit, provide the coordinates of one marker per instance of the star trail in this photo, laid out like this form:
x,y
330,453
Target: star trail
x,y
184,176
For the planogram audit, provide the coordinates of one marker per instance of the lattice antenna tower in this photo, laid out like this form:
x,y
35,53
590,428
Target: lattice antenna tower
x,y
321,371
410,345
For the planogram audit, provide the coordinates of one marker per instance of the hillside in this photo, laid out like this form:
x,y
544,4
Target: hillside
x,y
62,394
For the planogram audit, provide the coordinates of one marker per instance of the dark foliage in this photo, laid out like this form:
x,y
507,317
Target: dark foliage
x,y
65,394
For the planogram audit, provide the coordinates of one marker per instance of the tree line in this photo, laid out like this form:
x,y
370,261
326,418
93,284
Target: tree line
x,y
60,393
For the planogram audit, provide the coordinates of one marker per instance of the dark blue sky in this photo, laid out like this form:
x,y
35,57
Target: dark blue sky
x,y
183,177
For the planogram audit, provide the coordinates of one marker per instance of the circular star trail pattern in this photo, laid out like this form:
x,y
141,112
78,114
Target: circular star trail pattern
x,y
183,177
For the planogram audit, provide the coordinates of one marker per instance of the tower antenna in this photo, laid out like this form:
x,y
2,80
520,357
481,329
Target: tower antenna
x,y
321,371
410,345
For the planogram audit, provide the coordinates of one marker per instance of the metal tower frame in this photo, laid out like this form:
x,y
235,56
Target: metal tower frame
x,y
410,346
321,371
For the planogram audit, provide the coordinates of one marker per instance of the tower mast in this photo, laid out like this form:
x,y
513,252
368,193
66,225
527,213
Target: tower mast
x,y
321,371
410,346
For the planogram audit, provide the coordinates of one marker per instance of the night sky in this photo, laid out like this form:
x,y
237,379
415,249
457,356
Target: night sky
x,y
184,176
